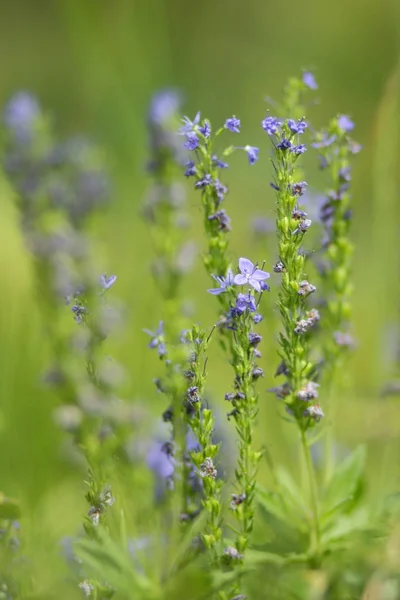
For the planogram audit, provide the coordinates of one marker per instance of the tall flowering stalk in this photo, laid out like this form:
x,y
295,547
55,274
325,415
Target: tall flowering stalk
x,y
299,392
336,148
239,314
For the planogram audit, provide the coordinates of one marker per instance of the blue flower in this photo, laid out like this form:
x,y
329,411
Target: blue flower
x,y
297,126
205,129
220,189
157,339
252,154
300,149
271,125
233,124
192,141
285,145
345,123
325,141
257,318
164,105
245,302
250,274
219,163
189,126
223,219
224,283
309,80
107,282
20,115
202,183
191,169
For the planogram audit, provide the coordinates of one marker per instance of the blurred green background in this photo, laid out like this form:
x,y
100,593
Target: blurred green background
x,y
94,65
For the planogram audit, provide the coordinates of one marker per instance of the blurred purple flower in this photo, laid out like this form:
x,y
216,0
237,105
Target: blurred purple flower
x,y
345,123
224,283
233,124
309,80
157,340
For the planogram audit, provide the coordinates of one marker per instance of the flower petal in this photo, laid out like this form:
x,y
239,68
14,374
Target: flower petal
x,y
216,291
240,279
260,275
245,265
255,284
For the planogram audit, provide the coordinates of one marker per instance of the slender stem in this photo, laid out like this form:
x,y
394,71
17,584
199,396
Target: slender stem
x,y
315,529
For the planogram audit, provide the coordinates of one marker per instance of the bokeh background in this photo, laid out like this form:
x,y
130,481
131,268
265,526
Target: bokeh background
x,y
94,65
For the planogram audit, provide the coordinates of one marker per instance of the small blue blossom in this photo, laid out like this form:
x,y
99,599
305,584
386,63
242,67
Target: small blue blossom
x,y
191,169
192,141
223,219
220,189
219,163
309,80
245,302
20,114
271,125
300,149
252,154
202,183
257,318
285,145
164,105
298,189
233,124
107,282
189,126
158,340
345,123
250,274
205,129
325,141
354,147
297,126
224,283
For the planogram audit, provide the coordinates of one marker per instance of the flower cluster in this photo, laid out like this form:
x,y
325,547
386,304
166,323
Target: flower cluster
x,y
292,225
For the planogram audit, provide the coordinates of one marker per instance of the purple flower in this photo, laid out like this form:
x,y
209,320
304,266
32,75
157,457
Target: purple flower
x,y
219,163
233,124
245,302
325,141
202,183
220,189
250,274
309,80
298,189
300,149
189,126
192,141
157,340
354,147
107,282
297,126
164,105
224,283
257,318
223,219
285,145
345,123
271,125
252,154
191,169
205,129
20,114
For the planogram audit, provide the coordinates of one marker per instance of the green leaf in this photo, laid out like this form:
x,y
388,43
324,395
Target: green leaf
x,y
345,483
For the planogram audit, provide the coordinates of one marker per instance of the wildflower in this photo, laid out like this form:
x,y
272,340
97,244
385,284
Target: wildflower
x,y
324,140
285,145
344,339
257,372
298,189
305,288
298,214
279,267
158,340
345,174
205,129
254,338
221,189
193,394
79,311
354,147
202,183
107,282
298,127
168,415
232,553
257,318
302,326
20,115
224,283
308,392
280,391
252,154
303,226
300,149
233,124
191,169
163,106
207,469
192,141
86,587
282,369
237,500
250,274
223,219
309,80
345,123
271,125
245,301
189,126
219,163
315,412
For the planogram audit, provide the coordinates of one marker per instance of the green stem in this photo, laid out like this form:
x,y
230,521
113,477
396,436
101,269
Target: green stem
x,y
315,528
